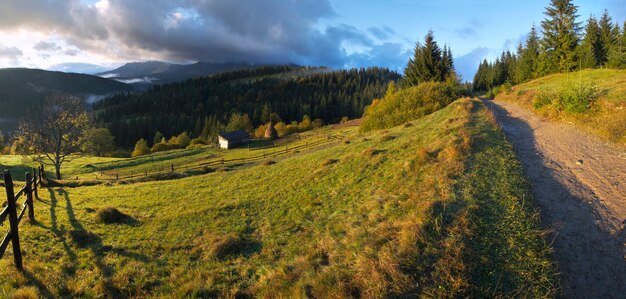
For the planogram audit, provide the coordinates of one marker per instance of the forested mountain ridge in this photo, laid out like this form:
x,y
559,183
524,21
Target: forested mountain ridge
x,y
21,88
157,72
289,91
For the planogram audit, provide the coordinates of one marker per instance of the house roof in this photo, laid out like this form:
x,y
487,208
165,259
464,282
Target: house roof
x,y
234,135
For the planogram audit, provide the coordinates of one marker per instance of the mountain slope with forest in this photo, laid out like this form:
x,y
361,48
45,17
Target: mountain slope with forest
x,y
157,72
22,88
291,92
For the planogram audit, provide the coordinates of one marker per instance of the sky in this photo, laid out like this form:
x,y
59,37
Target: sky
x,y
90,36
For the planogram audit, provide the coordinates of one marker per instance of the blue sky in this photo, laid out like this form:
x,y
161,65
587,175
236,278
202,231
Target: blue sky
x,y
93,35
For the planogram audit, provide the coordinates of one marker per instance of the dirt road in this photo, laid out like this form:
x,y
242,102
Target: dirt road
x,y
579,182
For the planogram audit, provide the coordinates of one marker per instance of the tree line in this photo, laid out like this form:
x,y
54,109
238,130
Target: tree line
x,y
204,106
430,83
563,45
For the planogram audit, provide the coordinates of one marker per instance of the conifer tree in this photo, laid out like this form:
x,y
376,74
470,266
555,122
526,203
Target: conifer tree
x,y
608,36
592,50
529,57
560,36
617,57
428,63
158,136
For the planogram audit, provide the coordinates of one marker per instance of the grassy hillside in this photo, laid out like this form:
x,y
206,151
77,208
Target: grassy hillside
x,y
606,115
21,88
437,207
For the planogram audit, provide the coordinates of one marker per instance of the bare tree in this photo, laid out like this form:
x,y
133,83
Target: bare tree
x,y
55,130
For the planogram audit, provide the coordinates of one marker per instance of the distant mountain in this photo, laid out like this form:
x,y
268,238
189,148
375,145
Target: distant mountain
x,y
22,88
157,72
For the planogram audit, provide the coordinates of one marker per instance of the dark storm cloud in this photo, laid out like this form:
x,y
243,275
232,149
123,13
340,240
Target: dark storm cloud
x,y
269,31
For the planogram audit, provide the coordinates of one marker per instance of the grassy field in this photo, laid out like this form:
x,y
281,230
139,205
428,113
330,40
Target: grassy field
x,y
607,116
91,168
436,207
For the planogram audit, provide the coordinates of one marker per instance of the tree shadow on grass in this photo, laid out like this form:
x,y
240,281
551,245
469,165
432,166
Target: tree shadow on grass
x,y
82,238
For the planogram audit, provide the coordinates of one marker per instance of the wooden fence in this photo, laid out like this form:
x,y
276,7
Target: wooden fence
x,y
33,183
203,165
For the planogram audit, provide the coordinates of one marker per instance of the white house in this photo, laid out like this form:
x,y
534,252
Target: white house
x,y
232,139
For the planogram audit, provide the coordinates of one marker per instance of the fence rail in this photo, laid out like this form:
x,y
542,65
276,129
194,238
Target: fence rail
x,y
111,176
33,182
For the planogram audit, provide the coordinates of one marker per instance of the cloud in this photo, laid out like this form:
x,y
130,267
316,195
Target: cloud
x,y
85,68
467,33
467,65
391,55
471,30
45,46
10,53
267,31
381,33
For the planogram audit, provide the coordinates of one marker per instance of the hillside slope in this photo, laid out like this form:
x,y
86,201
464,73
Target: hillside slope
x,y
21,88
436,207
602,91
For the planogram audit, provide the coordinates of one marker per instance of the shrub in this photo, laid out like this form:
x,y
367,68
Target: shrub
x,y
577,97
543,98
197,141
408,104
183,140
118,154
328,162
83,238
221,247
26,293
141,148
111,215
506,87
160,147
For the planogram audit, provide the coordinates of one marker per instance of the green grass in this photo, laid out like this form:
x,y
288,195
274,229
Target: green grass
x,y
437,208
89,168
607,114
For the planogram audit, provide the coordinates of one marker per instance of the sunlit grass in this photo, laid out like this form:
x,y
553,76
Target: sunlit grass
x,y
408,211
606,118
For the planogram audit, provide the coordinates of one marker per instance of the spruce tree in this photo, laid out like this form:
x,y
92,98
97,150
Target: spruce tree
x,y
592,50
560,36
608,36
427,63
480,78
529,58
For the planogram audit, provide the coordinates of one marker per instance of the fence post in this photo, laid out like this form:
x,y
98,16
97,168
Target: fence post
x,y
42,175
29,198
15,239
117,176
35,176
172,167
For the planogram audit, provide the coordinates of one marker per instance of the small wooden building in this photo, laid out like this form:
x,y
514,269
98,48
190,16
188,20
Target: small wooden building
x,y
233,139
